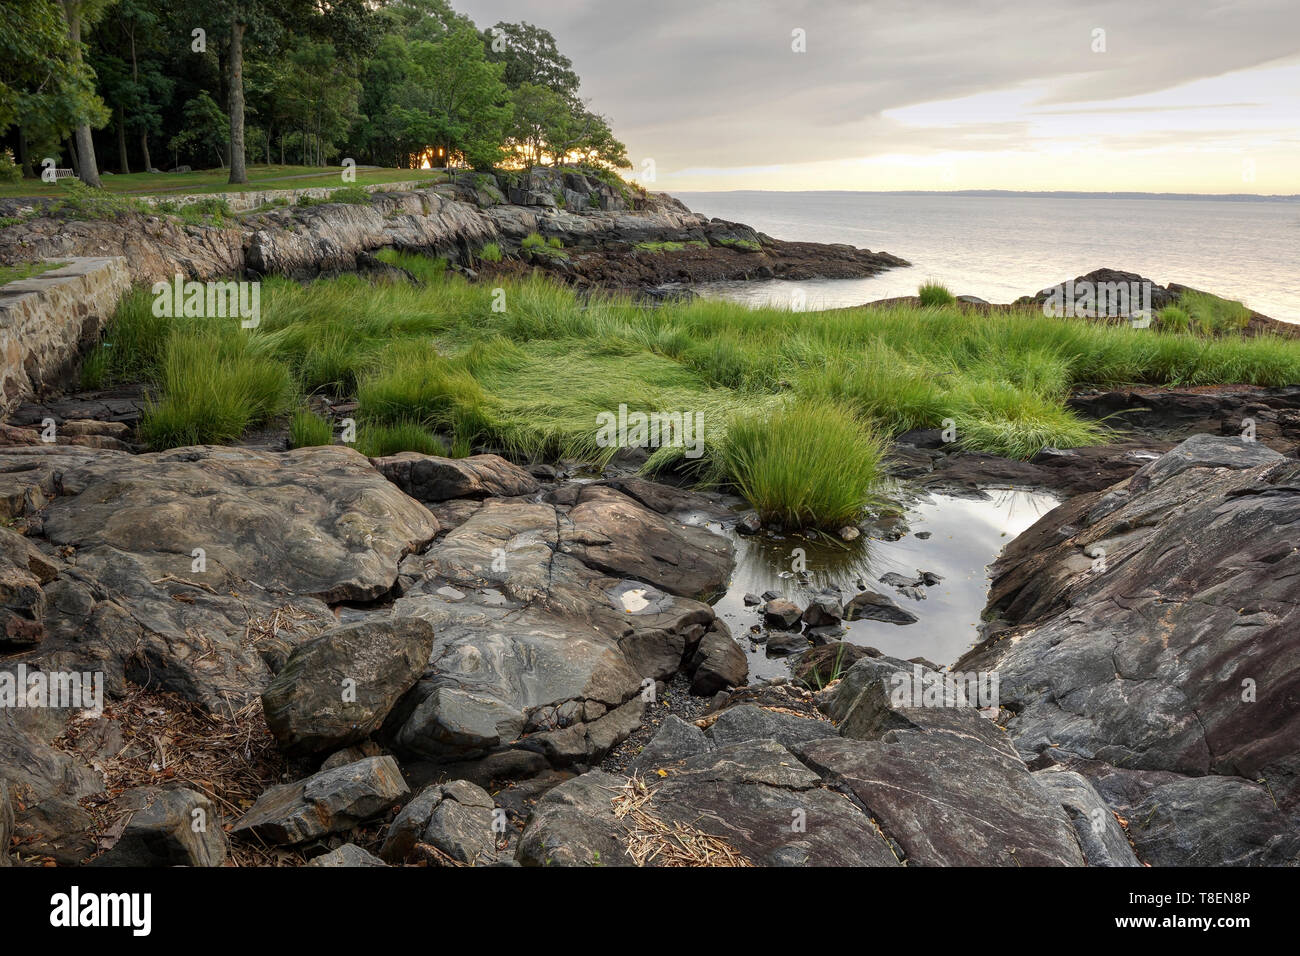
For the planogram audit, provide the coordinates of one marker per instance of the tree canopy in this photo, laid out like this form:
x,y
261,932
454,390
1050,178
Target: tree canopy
x,y
130,85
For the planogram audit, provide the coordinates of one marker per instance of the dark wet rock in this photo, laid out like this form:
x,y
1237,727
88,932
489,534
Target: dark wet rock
x,y
332,801
575,633
780,613
930,579
337,688
610,532
348,855
750,722
143,605
24,571
676,740
456,818
1156,630
1100,836
429,478
718,663
818,666
873,606
1176,820
896,580
752,600
826,608
667,499
749,524
755,796
991,813
170,828
785,642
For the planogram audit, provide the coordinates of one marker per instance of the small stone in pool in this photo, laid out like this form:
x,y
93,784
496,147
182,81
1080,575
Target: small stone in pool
x,y
770,595
894,579
924,534
752,599
930,578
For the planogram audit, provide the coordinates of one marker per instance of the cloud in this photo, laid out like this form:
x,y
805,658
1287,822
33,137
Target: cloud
x,y
715,85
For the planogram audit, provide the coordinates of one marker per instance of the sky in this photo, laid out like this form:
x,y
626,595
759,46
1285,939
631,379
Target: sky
x,y
1157,95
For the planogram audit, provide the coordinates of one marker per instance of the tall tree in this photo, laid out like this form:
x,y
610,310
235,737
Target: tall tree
x,y
79,13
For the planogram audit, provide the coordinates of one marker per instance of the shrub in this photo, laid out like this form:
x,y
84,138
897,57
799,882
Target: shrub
x,y
81,202
933,293
490,253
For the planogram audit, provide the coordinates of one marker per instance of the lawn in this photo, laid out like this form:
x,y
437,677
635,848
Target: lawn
x,y
26,270
215,181
796,405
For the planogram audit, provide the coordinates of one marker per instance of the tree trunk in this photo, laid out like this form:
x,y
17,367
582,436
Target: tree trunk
x,y
144,148
122,163
88,169
72,157
238,174
24,157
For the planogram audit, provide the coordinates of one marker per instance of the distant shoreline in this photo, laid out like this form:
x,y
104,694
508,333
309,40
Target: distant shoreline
x,y
1002,193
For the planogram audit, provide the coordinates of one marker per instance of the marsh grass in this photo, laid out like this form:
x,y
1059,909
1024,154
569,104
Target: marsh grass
x,y
932,293
795,404
307,429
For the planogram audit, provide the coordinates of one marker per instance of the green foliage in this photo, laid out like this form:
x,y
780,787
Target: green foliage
x,y
1173,319
9,171
491,252
208,211
744,245
532,241
934,293
376,441
1213,315
213,390
27,270
308,428
81,202
803,464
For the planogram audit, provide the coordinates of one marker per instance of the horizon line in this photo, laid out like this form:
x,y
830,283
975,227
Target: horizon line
x,y
1066,193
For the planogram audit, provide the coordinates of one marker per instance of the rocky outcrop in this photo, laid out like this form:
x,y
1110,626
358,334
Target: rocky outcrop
x,y
1154,650
453,221
170,828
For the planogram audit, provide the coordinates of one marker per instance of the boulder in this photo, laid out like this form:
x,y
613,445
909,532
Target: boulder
x,y
349,854
171,828
1156,630
430,479
718,663
825,609
872,606
336,689
455,818
782,614
332,801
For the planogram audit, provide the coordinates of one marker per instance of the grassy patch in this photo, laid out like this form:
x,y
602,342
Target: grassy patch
x,y
744,245
1213,315
791,404
805,464
308,428
27,270
672,246
934,293
491,252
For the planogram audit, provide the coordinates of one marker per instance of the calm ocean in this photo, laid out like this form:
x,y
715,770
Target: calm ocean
x,y
1003,247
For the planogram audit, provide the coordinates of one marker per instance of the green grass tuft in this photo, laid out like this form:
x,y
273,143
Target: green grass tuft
x,y
933,293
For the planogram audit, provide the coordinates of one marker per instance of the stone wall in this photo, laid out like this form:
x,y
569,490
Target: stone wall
x,y
255,199
47,321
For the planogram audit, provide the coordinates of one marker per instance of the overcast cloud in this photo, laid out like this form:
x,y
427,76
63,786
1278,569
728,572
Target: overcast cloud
x,y
962,94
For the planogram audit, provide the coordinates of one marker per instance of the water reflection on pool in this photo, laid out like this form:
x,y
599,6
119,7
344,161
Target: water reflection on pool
x,y
966,535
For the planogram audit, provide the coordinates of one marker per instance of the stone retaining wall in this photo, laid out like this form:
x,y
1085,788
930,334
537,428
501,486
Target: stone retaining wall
x,y
255,199
47,321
